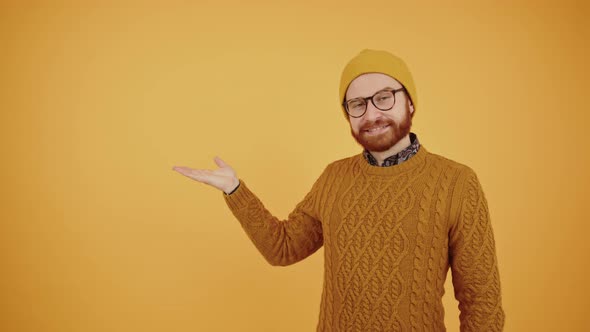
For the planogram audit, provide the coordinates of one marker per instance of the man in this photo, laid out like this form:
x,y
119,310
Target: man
x,y
392,219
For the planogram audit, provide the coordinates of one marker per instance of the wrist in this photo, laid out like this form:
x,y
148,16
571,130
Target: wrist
x,y
233,188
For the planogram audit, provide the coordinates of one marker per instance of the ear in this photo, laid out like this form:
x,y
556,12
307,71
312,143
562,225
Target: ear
x,y
411,107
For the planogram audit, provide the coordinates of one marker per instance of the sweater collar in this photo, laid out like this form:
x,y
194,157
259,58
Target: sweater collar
x,y
397,158
415,162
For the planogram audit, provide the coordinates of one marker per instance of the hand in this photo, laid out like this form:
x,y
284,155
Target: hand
x,y
224,178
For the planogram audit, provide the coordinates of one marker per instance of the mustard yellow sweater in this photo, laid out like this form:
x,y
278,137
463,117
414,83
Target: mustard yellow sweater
x,y
390,235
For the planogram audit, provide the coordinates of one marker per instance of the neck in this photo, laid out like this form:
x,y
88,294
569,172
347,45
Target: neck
x,y
396,148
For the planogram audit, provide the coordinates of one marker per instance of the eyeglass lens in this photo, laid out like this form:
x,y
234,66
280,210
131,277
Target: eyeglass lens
x,y
383,100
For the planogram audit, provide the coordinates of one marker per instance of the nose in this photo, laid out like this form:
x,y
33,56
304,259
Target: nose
x,y
372,113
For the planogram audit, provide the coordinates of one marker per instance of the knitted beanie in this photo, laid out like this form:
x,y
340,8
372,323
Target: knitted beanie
x,y
377,61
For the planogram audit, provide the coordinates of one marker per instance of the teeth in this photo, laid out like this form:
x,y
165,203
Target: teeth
x,y
376,128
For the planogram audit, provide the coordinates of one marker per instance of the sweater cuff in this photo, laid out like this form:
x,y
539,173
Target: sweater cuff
x,y
239,198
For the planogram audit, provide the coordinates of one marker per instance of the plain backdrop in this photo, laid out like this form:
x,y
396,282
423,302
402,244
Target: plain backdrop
x,y
98,101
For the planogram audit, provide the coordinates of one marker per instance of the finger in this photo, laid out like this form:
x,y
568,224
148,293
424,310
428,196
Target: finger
x,y
196,174
187,171
182,169
220,162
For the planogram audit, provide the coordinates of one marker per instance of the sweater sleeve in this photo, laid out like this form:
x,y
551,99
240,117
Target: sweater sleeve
x,y
281,242
472,255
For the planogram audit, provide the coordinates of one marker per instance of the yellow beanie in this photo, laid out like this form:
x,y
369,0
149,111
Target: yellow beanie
x,y
376,61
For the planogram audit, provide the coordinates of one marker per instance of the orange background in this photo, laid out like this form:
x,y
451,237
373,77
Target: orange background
x,y
98,102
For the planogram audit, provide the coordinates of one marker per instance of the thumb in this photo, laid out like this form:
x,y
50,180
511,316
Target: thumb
x,y
220,162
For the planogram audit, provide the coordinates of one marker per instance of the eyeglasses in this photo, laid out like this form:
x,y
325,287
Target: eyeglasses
x,y
383,100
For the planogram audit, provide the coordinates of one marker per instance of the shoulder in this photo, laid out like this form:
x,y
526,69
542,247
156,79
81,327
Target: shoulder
x,y
345,162
466,182
449,164
461,174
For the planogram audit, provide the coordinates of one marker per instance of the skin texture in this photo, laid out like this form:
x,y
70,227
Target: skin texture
x,y
396,136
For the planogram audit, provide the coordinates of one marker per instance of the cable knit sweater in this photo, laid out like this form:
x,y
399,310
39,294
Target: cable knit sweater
x,y
390,235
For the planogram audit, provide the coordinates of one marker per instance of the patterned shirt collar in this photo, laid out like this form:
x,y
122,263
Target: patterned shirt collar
x,y
399,157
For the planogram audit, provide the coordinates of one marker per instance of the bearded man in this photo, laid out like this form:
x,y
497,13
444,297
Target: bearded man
x,y
392,219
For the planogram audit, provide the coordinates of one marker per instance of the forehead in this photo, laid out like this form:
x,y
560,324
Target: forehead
x,y
367,84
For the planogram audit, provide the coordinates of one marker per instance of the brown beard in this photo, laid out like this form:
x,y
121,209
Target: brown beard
x,y
385,140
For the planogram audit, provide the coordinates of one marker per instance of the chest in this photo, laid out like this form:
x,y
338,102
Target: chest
x,y
382,213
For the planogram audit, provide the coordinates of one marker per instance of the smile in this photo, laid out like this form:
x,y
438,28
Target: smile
x,y
377,130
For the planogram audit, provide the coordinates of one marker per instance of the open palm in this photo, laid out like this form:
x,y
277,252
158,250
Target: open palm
x,y
224,178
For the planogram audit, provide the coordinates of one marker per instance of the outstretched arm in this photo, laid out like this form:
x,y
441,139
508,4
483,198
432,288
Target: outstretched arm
x,y
473,260
281,242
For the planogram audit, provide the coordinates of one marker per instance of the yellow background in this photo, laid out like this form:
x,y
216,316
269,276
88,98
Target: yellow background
x,y
99,102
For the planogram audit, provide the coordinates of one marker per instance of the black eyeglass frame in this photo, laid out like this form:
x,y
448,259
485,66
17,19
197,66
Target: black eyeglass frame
x,y
366,100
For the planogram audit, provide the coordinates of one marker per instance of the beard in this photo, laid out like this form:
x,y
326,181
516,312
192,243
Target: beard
x,y
384,141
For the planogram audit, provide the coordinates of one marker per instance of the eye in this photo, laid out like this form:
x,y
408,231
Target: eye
x,y
356,104
384,96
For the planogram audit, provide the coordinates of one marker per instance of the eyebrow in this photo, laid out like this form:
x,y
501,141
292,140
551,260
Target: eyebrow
x,y
385,88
